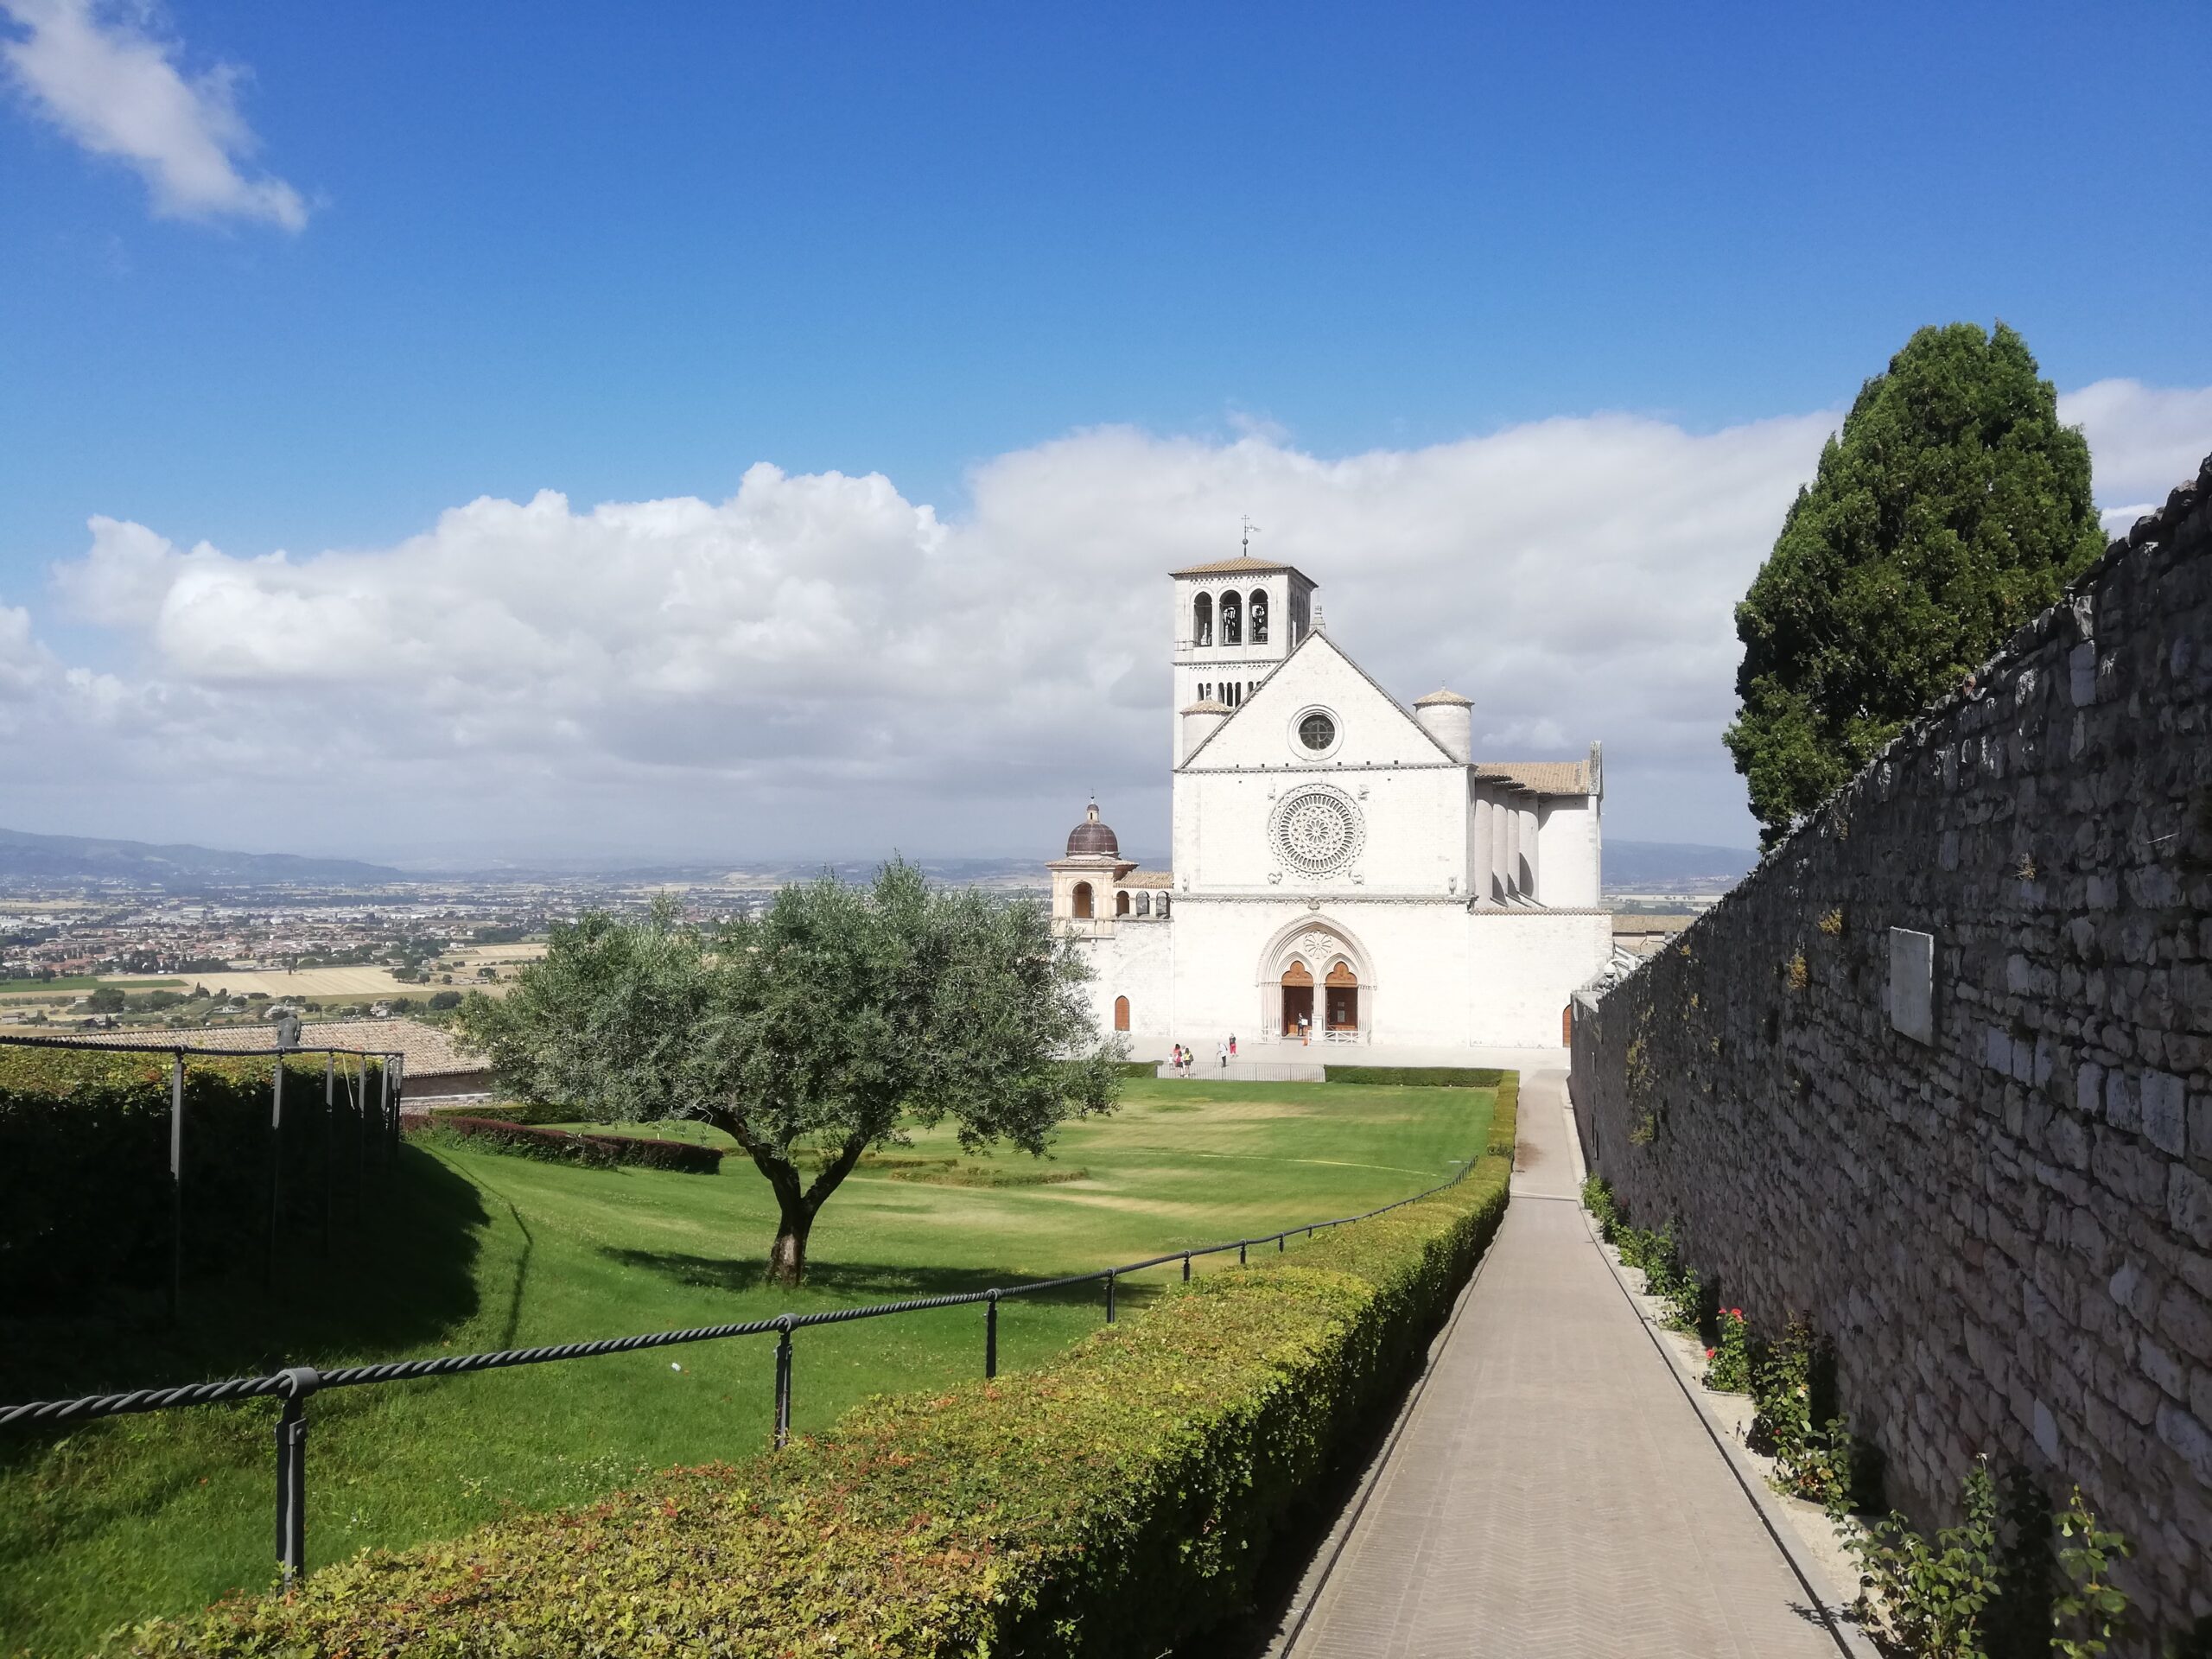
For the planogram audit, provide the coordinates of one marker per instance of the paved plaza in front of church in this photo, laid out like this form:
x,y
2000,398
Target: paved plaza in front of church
x,y
1551,1488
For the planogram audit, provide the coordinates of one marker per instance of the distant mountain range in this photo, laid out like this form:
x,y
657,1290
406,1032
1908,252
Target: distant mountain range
x,y
1631,867
1674,866
28,858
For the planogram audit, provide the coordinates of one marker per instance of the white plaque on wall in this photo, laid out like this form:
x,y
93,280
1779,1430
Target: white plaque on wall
x,y
1912,983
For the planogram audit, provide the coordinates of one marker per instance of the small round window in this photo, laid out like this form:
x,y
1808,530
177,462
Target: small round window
x,y
1317,732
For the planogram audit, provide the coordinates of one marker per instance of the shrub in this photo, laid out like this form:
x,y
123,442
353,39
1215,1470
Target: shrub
x,y
1432,1077
562,1147
515,1111
1597,1199
1121,1502
83,1165
1794,1421
1728,1369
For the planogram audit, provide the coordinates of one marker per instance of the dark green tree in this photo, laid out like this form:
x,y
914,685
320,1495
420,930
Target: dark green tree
x,y
1952,507
836,1020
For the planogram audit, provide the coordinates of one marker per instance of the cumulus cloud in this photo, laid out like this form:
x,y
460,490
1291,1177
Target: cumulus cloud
x,y
98,74
2145,440
817,663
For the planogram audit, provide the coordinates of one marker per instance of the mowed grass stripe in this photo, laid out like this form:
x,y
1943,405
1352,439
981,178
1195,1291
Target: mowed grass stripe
x,y
473,1251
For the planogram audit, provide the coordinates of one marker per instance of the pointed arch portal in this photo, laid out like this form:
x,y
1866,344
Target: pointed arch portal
x,y
1316,971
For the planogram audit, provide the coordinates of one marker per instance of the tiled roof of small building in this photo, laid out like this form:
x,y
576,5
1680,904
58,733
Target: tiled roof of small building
x,y
1544,777
1146,878
1208,706
1442,694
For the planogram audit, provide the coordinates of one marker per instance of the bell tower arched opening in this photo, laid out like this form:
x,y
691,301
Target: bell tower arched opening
x,y
1082,900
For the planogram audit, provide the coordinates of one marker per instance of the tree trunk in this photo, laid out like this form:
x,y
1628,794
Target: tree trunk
x,y
787,1255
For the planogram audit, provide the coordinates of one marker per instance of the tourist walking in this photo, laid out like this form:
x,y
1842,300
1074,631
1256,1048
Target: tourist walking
x,y
1222,1049
1232,1044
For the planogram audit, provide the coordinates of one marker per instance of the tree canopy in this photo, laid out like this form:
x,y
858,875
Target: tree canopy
x,y
829,1024
1952,507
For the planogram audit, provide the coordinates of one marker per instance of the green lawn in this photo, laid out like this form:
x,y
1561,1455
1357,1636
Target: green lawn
x,y
469,1250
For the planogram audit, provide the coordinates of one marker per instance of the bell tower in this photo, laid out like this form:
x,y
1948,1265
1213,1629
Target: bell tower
x,y
1235,621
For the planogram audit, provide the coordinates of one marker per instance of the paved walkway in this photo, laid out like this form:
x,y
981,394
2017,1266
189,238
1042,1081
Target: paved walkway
x,y
1552,1492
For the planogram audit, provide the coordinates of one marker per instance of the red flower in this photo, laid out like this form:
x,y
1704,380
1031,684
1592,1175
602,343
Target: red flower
x,y
1710,1352
1735,1313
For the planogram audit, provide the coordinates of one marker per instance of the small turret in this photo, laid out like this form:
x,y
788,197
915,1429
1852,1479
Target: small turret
x,y
1200,720
1449,719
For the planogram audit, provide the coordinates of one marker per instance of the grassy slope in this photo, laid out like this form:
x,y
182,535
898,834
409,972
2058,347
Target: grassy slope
x,y
477,1250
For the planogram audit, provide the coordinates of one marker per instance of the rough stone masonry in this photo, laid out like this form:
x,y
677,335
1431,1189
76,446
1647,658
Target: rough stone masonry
x,y
1938,1076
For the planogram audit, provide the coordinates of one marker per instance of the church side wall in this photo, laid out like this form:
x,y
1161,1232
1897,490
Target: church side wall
x,y
1567,835
1988,1186
1524,966
1136,960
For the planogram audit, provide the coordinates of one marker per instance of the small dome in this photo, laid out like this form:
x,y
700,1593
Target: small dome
x,y
1090,838
1445,697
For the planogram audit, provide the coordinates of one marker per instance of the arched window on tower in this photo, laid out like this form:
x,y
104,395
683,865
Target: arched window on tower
x,y
1082,897
1144,903
1121,903
1232,623
1201,621
1258,614
1121,1013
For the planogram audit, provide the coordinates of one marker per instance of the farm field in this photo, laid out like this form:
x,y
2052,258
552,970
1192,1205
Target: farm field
x,y
470,1250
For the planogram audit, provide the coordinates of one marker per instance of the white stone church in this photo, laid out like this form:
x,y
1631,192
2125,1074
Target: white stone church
x,y
1344,869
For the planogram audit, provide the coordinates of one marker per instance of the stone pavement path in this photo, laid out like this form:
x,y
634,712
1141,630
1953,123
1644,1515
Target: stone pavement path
x,y
1552,1492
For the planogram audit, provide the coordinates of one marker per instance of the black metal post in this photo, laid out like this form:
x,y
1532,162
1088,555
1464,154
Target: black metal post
x,y
398,1102
1186,1266
1109,1298
292,1473
329,1143
361,1151
1278,1242
783,1381
1239,1252
384,1117
275,1167
176,1186
991,1337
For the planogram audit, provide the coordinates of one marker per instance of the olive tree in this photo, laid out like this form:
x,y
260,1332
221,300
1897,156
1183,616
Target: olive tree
x,y
837,1020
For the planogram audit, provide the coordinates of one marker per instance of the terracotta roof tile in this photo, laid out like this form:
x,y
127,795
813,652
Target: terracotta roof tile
x,y
431,1051
1544,777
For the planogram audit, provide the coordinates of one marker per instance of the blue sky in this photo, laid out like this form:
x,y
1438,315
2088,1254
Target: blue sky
x,y
488,251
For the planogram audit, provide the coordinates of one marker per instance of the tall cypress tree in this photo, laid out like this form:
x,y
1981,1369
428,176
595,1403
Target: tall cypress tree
x,y
1952,507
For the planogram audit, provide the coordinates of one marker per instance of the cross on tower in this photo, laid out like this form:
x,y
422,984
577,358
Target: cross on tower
x,y
1248,528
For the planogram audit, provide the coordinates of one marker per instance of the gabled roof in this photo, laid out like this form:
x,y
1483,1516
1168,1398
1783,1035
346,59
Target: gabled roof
x,y
1312,634
1244,565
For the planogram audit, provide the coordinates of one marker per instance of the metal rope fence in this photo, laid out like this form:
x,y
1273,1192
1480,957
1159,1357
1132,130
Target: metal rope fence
x,y
294,1385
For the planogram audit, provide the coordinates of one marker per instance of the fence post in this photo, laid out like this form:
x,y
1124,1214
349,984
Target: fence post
x,y
1278,1242
292,1473
176,1186
329,1143
1186,1266
275,1167
991,1336
384,1119
398,1102
361,1151
1109,1298
783,1381
1239,1252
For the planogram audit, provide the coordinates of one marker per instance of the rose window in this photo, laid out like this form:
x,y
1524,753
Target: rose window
x,y
1317,831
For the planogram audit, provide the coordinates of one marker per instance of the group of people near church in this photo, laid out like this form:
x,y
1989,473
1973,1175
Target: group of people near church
x,y
1184,1060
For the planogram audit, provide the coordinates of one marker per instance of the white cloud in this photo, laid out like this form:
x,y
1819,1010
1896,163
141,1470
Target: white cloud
x,y
2143,440
100,75
817,662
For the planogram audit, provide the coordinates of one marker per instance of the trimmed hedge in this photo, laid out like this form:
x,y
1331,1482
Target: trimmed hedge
x,y
592,1151
1118,1504
512,1111
83,1165
1435,1077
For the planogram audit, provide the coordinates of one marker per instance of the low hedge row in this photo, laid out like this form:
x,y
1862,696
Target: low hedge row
x,y
1117,1503
1436,1077
562,1147
85,1160
513,1111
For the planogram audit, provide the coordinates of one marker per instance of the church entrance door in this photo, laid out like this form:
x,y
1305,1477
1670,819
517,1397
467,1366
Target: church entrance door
x,y
1297,999
1342,999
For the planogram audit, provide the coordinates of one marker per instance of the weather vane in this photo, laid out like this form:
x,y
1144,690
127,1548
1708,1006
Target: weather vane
x,y
1248,528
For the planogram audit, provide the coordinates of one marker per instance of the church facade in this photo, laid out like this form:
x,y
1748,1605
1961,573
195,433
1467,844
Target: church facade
x,y
1343,869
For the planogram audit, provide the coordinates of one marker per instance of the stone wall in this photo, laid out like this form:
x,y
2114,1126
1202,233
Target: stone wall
x,y
2004,1224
